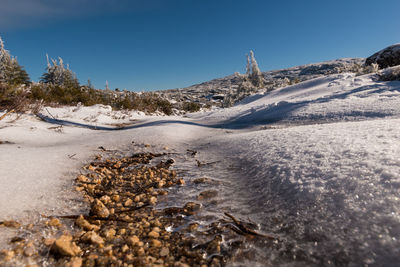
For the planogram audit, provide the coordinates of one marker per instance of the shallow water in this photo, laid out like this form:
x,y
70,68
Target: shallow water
x,y
355,223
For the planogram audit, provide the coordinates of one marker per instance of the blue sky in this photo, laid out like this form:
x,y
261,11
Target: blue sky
x,y
162,44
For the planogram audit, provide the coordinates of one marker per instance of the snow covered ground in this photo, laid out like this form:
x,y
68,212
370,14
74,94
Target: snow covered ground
x,y
317,164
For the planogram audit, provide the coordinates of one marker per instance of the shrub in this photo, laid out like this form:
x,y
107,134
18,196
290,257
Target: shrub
x,y
13,97
191,107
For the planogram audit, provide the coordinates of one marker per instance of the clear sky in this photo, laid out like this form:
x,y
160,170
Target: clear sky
x,y
162,44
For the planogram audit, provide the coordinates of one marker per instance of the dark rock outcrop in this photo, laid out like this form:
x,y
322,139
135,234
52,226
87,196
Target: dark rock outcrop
x,y
388,57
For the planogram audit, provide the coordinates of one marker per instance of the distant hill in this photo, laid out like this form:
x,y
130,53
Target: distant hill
x,y
212,92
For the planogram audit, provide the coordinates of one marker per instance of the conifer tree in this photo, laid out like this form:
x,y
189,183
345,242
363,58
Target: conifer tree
x,y
58,74
10,70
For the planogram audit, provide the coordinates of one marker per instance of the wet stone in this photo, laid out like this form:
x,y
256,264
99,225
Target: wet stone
x,y
10,224
207,194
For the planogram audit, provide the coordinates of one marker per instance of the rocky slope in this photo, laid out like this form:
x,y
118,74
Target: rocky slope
x,y
388,57
212,93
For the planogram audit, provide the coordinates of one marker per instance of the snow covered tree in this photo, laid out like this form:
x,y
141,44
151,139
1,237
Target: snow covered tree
x,y
255,76
58,74
250,82
10,71
248,66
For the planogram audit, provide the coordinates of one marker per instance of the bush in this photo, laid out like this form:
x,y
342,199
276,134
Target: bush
x,y
191,107
13,97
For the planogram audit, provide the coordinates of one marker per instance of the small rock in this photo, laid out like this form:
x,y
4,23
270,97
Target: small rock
x,y
133,240
153,200
153,234
214,246
105,199
156,229
93,238
82,179
191,207
150,259
49,241
205,180
207,194
7,254
180,264
85,225
98,209
74,262
116,198
125,248
141,251
122,231
54,222
65,247
181,182
164,252
17,239
10,224
29,251
128,202
193,227
109,233
156,243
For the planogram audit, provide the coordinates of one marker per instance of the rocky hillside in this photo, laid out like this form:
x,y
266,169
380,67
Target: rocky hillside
x,y
388,57
212,93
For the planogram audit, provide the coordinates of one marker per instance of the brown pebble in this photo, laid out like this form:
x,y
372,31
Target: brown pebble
x,y
156,243
153,200
85,225
124,248
109,233
180,264
65,247
7,254
115,198
141,251
29,251
82,179
128,202
164,252
54,222
49,241
74,262
193,227
153,234
105,199
98,209
133,240
10,224
92,238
